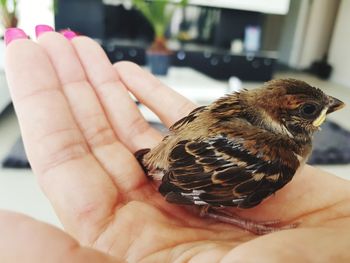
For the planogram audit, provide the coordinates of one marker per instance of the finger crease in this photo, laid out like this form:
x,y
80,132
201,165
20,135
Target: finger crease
x,y
99,136
137,127
38,93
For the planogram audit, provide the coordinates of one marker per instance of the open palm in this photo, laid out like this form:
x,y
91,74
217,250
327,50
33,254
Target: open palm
x,y
80,128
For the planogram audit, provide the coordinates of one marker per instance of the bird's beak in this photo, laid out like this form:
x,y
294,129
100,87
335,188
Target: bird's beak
x,y
321,118
334,104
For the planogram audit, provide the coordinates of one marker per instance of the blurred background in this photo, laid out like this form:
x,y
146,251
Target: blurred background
x,y
202,49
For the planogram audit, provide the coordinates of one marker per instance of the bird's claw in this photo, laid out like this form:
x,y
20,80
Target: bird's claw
x,y
255,227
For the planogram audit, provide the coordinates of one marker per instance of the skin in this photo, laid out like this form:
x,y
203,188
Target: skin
x,y
80,129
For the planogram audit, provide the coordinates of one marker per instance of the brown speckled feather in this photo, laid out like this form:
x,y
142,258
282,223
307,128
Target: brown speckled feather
x,y
187,119
221,171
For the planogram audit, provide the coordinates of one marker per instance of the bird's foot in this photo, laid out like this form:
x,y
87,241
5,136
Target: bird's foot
x,y
255,227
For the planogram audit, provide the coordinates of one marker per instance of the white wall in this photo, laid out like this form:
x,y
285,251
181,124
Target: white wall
x,y
307,32
293,33
339,55
30,14
34,12
319,31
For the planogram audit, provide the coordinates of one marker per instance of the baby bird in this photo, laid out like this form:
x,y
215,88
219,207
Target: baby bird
x,y
240,149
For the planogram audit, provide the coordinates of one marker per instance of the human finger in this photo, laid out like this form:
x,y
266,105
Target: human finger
x,y
24,239
79,189
166,103
329,244
131,127
89,113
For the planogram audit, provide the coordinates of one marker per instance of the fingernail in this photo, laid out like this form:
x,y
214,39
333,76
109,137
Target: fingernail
x,y
69,34
40,29
14,33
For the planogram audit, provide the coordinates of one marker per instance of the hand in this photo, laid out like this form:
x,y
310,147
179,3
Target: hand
x,y
80,129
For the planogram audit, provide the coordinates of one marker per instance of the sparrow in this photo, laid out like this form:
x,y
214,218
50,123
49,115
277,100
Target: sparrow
x,y
239,150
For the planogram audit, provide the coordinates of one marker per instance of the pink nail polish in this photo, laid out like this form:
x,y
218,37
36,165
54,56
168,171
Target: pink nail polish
x,y
14,33
40,29
69,34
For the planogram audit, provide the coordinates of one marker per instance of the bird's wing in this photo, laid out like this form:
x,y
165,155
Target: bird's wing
x,y
187,119
221,172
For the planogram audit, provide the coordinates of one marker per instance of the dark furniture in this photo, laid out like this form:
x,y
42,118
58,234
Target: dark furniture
x,y
125,34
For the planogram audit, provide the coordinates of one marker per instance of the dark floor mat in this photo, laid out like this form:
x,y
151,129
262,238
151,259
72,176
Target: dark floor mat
x,y
16,158
331,145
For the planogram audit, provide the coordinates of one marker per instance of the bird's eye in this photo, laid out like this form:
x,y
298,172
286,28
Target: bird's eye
x,y
308,109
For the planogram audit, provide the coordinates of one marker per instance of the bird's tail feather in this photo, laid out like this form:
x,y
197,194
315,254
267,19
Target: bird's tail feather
x,y
139,156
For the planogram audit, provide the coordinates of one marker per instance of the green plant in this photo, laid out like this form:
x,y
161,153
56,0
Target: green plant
x,y
8,9
159,14
55,6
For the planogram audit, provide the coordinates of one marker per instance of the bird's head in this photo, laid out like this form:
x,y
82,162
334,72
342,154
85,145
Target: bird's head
x,y
290,106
